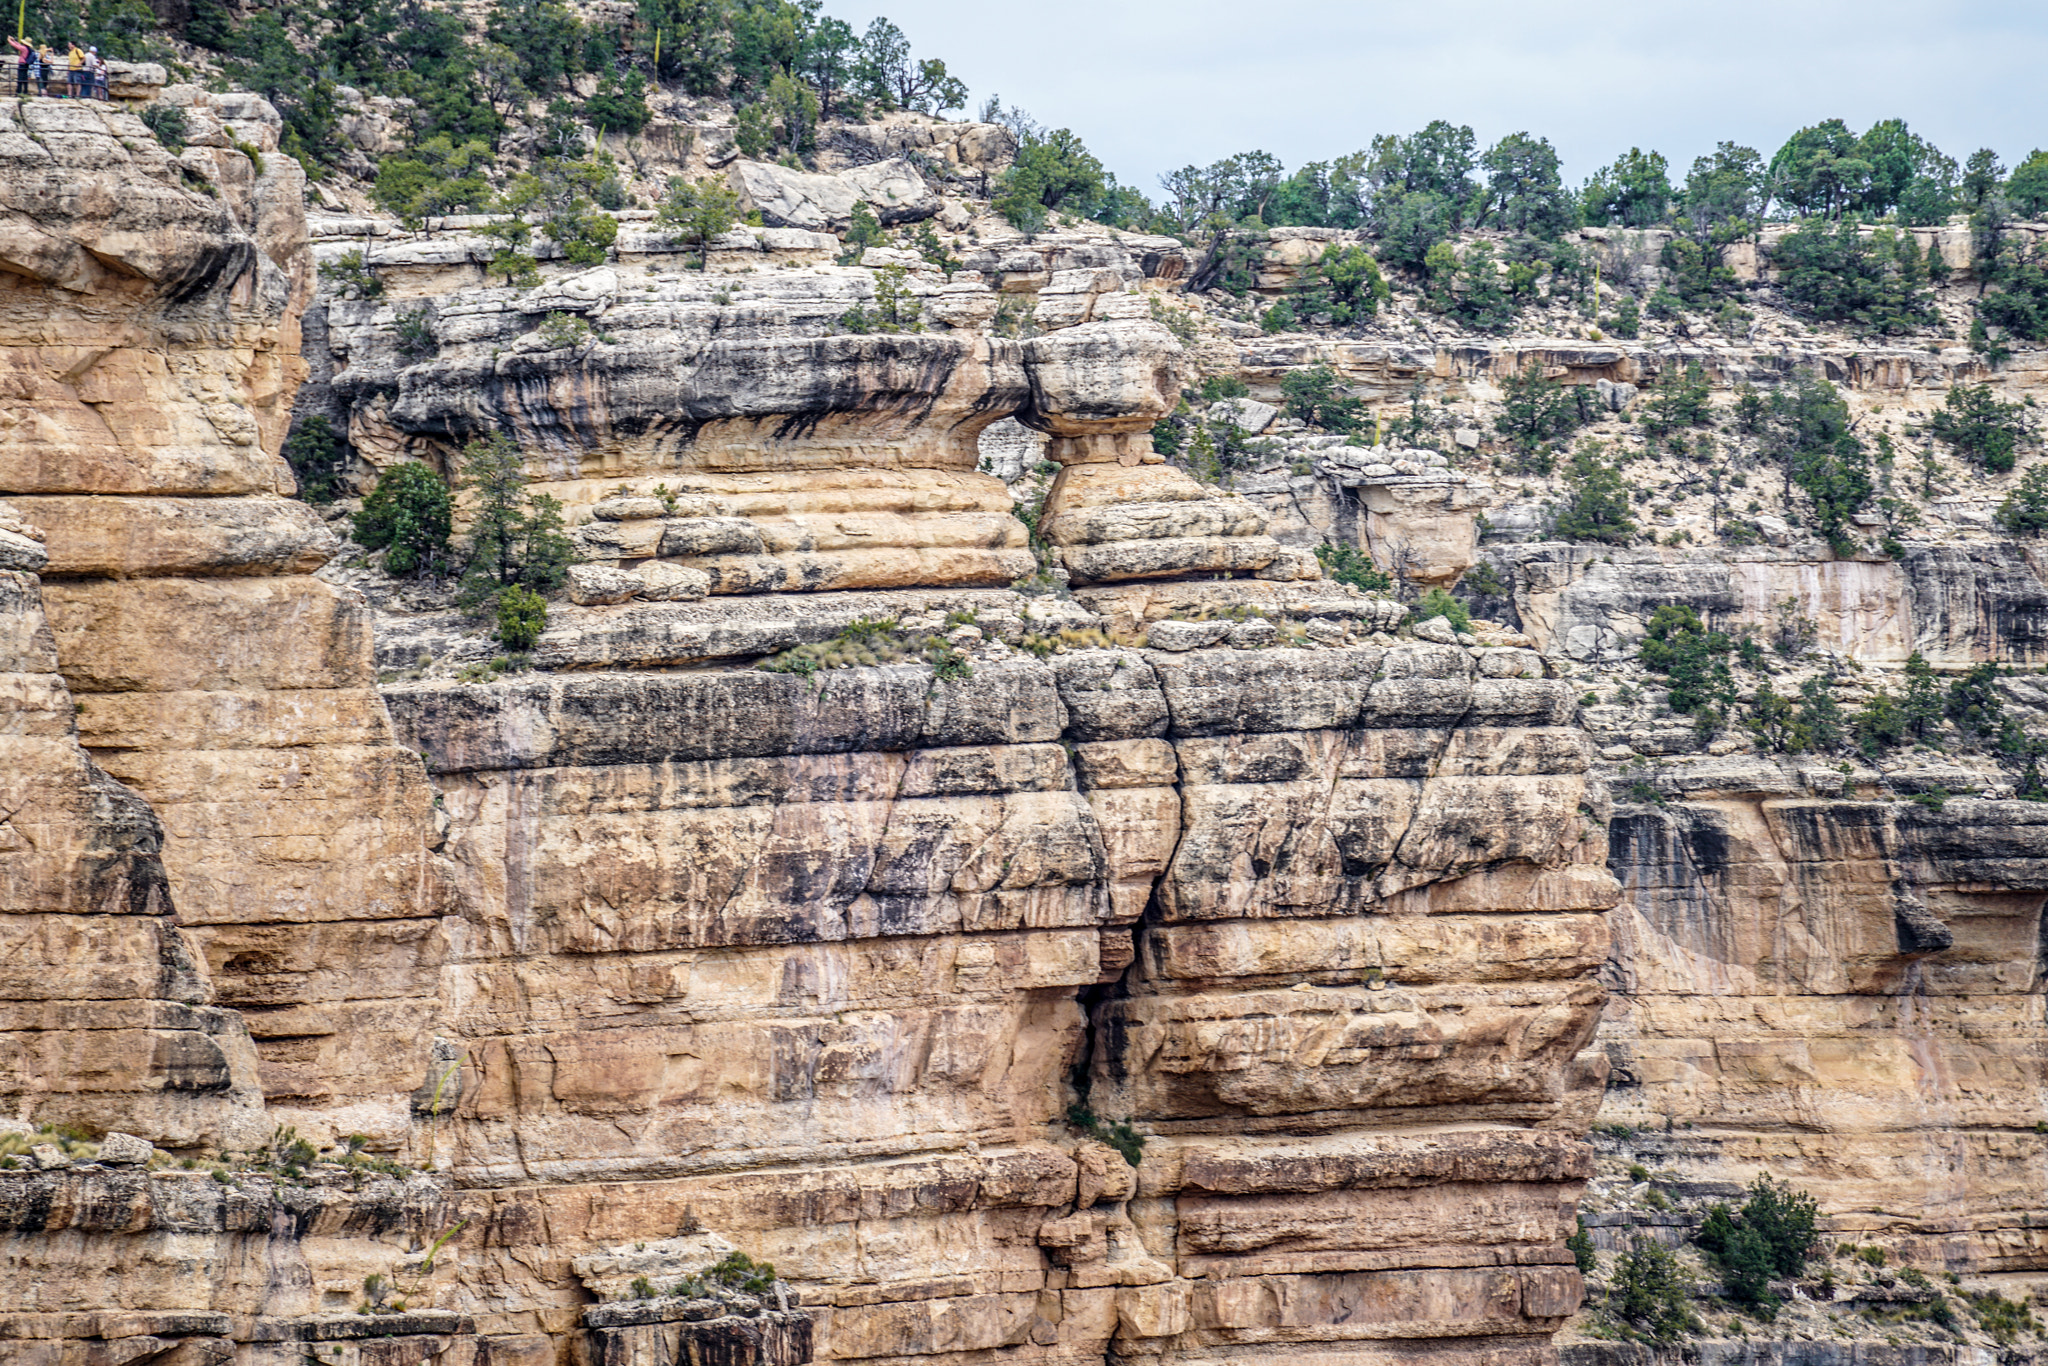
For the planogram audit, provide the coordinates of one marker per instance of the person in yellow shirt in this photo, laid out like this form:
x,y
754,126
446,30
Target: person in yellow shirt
x,y
78,73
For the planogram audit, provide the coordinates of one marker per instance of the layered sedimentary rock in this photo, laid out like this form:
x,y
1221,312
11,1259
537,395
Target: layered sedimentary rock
x,y
149,325
812,964
865,974
1845,994
1814,976
810,429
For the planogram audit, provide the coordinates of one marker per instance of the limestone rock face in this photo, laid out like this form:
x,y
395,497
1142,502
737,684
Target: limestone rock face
x,y
111,1019
892,190
153,345
795,455
117,253
1869,1036
546,990
1954,604
844,927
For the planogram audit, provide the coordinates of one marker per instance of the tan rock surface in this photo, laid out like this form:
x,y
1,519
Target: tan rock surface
x,y
658,953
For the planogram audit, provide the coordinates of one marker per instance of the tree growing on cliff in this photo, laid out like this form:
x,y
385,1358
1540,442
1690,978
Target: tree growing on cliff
x,y
1817,172
1522,189
515,537
1650,1291
317,456
1315,395
1874,283
2025,510
695,211
1723,196
1807,432
1596,506
408,515
1680,398
560,198
1692,658
432,178
1535,410
1635,192
619,104
2017,302
1975,423
1055,171
1343,285
888,74
1771,1236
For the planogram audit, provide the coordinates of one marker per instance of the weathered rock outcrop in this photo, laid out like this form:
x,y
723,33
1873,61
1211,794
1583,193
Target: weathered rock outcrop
x,y
151,337
1185,969
1845,994
801,961
819,428
868,973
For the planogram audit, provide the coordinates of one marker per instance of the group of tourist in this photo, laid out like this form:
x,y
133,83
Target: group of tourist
x,y
38,66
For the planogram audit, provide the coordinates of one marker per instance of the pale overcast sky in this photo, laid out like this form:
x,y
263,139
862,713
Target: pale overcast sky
x,y
1152,85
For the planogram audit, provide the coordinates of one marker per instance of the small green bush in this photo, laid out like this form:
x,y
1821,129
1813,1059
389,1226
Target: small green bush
x,y
563,331
409,515
2002,1318
1118,1134
522,616
414,329
1349,564
1314,395
870,642
351,277
742,1272
1437,603
167,123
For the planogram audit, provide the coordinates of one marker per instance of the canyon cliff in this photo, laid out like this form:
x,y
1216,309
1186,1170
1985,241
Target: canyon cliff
x,y
949,883
1219,988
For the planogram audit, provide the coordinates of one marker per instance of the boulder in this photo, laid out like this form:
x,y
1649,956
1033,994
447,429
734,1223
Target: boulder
x,y
1248,414
1616,396
1178,636
664,582
1436,630
1253,635
596,585
125,1150
805,199
628,508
